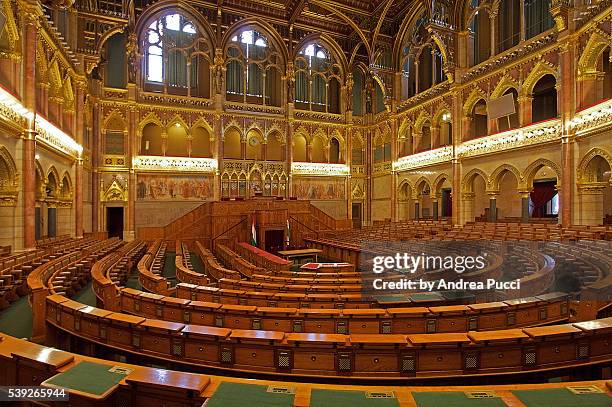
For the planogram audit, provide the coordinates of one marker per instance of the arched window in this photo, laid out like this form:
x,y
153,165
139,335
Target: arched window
x,y
176,143
177,59
317,150
446,130
200,143
231,144
480,35
274,147
151,140
358,89
537,17
422,62
299,148
425,137
479,119
253,70
317,75
544,103
254,147
509,25
115,64
334,150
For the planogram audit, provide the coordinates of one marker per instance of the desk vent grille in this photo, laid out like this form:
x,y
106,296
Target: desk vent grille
x,y
478,394
380,395
281,390
579,390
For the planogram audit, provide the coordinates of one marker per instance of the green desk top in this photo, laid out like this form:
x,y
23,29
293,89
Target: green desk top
x,y
424,297
453,399
335,398
248,395
91,378
561,398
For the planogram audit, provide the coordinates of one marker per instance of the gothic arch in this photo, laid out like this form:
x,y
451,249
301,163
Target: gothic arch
x,y
410,190
581,173
472,99
533,168
505,83
498,173
264,28
540,70
171,6
421,120
439,181
467,185
330,44
150,118
201,122
587,64
418,186
8,178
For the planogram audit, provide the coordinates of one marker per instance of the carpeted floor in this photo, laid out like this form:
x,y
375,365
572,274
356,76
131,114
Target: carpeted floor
x,y
17,319
169,270
196,262
86,296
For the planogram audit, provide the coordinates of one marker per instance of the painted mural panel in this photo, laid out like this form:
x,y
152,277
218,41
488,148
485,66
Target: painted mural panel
x,y
319,188
171,187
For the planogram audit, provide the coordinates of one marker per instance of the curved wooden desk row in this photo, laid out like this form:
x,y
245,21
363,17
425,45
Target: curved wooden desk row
x,y
211,266
183,272
217,271
104,285
262,258
146,277
289,286
368,356
12,268
29,364
410,320
234,261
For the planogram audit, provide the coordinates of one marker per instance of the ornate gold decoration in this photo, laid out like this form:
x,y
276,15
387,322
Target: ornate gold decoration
x,y
116,191
320,169
178,164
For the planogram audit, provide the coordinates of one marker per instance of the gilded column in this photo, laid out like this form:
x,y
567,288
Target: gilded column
x,y
29,138
78,190
567,110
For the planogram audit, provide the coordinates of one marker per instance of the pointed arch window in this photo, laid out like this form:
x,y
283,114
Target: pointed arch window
x,y
253,69
318,80
177,58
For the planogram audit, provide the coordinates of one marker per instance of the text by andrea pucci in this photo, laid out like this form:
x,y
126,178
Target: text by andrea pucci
x,y
422,272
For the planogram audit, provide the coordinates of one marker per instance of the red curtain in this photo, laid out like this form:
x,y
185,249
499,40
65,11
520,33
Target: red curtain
x,y
541,194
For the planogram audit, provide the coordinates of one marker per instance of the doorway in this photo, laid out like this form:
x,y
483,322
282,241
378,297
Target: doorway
x,y
37,223
356,215
51,222
447,203
114,222
275,240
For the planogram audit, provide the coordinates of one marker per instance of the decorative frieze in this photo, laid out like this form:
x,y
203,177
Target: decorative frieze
x,y
55,138
319,116
526,136
175,164
593,117
325,169
423,159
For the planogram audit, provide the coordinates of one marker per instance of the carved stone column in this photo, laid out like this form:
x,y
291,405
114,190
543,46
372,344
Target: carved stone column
x,y
29,138
525,110
524,205
79,131
492,205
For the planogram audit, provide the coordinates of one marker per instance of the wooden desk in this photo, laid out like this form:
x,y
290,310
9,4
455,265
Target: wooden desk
x,y
301,254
